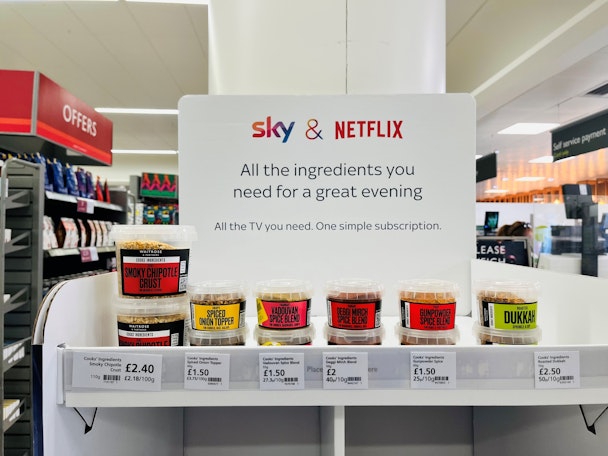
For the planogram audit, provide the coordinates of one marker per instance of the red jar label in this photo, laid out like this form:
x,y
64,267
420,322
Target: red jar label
x,y
428,317
154,272
283,314
168,334
353,315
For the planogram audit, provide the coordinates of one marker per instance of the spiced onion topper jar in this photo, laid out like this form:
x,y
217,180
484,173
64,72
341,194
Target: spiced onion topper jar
x,y
428,312
354,312
217,312
507,311
152,260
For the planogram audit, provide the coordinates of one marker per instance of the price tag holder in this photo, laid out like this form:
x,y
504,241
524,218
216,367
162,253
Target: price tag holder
x,y
121,371
433,370
210,371
557,369
345,371
85,206
88,254
281,371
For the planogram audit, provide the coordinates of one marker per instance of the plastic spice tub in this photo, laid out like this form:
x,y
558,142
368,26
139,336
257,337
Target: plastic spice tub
x,y
217,305
152,260
428,304
302,336
354,304
152,322
219,338
507,312
283,303
336,336
417,337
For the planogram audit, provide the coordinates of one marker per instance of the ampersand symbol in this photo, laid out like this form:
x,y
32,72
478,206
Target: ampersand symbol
x,y
312,132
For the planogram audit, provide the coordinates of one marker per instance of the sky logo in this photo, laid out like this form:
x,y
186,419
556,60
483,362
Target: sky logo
x,y
266,129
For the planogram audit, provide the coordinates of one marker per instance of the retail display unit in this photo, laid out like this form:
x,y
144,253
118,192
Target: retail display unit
x,y
21,202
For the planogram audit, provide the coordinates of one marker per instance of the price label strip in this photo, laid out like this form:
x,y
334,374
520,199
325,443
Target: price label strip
x,y
557,369
345,371
281,371
122,371
433,370
210,371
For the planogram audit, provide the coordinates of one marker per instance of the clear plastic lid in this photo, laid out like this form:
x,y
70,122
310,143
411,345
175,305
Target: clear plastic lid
x,y
300,336
152,306
217,290
339,336
432,290
419,337
354,289
283,289
487,335
164,233
215,338
522,291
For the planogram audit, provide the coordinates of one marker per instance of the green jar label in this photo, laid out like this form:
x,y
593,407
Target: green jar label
x,y
509,316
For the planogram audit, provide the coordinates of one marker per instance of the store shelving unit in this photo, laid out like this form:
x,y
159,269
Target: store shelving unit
x,y
21,278
389,417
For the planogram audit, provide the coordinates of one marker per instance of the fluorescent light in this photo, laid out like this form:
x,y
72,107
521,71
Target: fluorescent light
x,y
478,156
496,190
144,152
172,112
543,159
529,179
184,2
527,128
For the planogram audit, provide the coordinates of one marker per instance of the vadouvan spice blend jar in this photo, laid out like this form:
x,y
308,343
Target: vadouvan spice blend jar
x,y
428,312
283,307
354,312
507,312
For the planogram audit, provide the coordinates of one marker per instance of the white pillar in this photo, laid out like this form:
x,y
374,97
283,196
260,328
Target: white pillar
x,y
326,46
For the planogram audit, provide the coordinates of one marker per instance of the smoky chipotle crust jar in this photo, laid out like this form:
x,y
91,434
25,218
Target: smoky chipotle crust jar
x,y
354,305
507,312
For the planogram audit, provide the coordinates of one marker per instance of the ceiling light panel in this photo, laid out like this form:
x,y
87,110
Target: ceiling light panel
x,y
528,128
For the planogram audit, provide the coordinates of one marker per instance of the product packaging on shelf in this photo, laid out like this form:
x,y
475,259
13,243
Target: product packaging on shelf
x,y
217,312
152,321
507,312
354,312
428,312
152,260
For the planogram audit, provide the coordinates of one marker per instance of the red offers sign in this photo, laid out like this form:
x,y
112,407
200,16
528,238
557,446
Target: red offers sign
x,y
30,103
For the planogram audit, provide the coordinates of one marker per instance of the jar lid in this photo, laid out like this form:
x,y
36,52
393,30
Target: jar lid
x,y
354,289
168,233
151,305
284,289
428,287
217,289
527,291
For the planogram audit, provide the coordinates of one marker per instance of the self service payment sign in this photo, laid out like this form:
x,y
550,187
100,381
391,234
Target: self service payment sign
x,y
328,187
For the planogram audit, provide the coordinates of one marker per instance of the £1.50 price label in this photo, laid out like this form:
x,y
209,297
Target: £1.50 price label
x,y
281,371
434,370
559,369
122,371
209,371
345,371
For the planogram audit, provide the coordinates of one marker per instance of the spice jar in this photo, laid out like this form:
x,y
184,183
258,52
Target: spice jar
x,y
428,312
152,321
283,307
152,260
507,312
354,312
217,313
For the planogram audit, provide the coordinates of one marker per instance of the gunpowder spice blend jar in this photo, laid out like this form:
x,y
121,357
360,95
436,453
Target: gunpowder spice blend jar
x,y
159,322
507,312
354,312
428,312
152,260
283,307
217,312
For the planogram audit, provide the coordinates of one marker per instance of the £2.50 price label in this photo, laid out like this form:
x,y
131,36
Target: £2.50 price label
x,y
122,371
559,369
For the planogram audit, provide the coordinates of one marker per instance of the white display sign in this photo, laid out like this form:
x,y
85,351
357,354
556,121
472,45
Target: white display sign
x,y
345,371
326,187
557,369
433,370
209,371
123,371
281,371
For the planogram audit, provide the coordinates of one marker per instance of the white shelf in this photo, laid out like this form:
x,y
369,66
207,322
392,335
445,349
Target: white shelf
x,y
485,375
74,200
